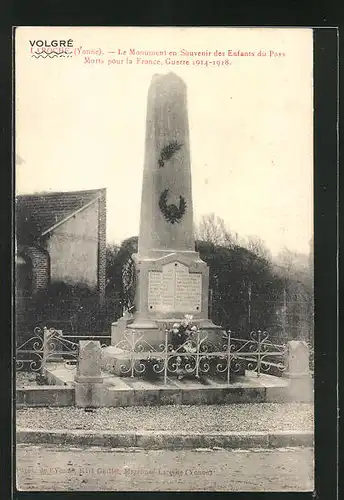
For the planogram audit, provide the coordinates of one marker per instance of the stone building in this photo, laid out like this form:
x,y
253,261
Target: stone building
x,y
61,237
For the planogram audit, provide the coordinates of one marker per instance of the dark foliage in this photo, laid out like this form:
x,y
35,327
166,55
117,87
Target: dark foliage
x,y
76,310
114,267
233,274
246,291
60,289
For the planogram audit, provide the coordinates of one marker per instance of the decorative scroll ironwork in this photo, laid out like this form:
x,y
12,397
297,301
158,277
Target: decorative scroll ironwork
x,y
30,353
46,345
259,353
60,348
198,356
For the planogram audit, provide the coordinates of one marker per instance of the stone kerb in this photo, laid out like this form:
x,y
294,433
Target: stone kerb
x,y
297,371
89,390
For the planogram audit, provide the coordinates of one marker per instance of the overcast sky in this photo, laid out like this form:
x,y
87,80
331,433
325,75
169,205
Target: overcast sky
x,y
82,126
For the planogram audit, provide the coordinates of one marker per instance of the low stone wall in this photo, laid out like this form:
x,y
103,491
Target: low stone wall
x,y
45,395
90,387
134,392
53,379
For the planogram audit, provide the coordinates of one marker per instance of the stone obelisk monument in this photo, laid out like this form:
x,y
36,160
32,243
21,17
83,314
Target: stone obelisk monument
x,y
172,280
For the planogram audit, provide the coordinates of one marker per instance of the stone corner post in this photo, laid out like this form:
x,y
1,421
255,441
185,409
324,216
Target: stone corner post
x,y
88,382
297,372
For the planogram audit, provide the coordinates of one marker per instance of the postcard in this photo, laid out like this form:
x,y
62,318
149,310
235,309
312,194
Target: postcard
x,y
164,259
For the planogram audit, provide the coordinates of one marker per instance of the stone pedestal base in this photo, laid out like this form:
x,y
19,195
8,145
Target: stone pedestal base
x,y
151,334
300,388
118,328
89,394
116,361
147,336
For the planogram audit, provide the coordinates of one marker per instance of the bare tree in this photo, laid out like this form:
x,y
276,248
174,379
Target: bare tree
x,y
286,258
213,230
257,246
293,261
298,290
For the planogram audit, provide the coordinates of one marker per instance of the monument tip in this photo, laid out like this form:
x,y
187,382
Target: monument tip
x,y
168,75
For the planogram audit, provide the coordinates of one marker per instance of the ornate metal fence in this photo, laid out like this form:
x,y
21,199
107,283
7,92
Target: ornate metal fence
x,y
199,356
31,353
48,345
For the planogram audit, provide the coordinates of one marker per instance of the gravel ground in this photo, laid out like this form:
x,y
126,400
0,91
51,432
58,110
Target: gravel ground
x,y
25,379
216,418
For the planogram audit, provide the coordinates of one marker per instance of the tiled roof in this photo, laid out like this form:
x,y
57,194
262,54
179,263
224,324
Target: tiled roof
x,y
36,213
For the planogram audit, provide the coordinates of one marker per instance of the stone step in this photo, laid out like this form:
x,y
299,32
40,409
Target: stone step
x,y
132,391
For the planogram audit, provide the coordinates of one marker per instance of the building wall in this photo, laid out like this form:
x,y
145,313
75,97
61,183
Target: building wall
x,y
102,246
40,268
73,249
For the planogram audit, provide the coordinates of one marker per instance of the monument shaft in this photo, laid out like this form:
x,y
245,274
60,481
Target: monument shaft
x,y
171,279
166,208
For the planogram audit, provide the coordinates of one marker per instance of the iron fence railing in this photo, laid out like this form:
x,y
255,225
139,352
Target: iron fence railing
x,y
47,345
200,355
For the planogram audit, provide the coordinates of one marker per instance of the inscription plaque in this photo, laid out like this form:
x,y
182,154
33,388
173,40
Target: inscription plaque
x,y
174,289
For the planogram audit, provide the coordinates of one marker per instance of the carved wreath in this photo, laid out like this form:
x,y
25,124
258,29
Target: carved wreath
x,y
171,212
129,283
168,151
